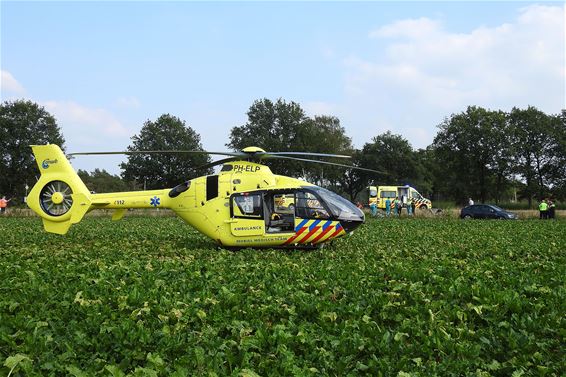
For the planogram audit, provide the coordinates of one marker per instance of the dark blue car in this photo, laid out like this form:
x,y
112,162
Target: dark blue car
x,y
486,211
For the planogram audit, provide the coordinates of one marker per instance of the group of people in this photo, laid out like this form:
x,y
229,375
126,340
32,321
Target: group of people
x,y
547,209
394,206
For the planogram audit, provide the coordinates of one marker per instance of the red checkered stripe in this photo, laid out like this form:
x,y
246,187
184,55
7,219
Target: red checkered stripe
x,y
420,202
315,231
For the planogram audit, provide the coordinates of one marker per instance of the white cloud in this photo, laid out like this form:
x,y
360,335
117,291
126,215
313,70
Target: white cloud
x,y
426,72
411,28
86,120
90,129
127,103
9,85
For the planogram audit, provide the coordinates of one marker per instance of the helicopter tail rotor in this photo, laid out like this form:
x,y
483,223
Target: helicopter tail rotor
x,y
59,196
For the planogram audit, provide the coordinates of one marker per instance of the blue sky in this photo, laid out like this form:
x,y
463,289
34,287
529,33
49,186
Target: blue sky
x,y
103,68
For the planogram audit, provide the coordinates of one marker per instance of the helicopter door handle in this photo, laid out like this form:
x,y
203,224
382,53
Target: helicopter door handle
x,y
229,221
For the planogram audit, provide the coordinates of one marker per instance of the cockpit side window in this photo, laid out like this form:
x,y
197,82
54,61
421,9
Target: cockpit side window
x,y
308,206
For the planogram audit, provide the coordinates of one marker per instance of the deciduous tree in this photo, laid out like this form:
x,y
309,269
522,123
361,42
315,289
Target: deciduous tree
x,y
102,181
275,127
23,123
393,156
324,134
538,141
471,149
165,169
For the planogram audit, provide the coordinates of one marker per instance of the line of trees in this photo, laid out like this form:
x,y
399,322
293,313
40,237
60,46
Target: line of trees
x,y
484,153
479,153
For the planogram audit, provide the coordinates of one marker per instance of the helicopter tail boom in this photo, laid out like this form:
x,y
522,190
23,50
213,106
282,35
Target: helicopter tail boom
x,y
61,198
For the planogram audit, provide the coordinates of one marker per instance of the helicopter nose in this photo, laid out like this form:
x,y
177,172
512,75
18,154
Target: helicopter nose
x,y
349,226
352,220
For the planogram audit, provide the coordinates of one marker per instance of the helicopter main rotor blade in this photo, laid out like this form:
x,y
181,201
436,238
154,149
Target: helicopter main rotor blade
x,y
266,155
329,163
235,154
219,162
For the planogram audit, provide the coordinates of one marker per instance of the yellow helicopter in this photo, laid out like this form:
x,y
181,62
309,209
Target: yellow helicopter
x,y
244,205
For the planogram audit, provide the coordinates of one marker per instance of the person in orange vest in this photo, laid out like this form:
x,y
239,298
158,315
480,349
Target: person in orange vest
x,y
3,204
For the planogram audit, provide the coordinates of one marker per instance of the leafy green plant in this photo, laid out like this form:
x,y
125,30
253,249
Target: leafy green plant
x,y
152,297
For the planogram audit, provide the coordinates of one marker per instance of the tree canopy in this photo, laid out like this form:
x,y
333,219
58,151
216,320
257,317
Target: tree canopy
x,y
164,170
393,156
275,127
473,152
481,153
477,153
325,134
23,123
539,150
101,181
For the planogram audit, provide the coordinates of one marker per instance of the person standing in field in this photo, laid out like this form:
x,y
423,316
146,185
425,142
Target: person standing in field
x,y
373,209
398,206
543,208
387,207
470,202
551,209
413,207
394,206
3,204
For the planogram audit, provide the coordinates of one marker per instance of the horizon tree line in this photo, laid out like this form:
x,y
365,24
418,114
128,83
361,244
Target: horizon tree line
x,y
489,155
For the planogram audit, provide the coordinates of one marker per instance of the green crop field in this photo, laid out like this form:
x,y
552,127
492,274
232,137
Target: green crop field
x,y
409,297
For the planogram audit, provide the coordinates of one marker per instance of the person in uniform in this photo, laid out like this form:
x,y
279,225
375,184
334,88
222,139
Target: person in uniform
x,y
543,208
551,209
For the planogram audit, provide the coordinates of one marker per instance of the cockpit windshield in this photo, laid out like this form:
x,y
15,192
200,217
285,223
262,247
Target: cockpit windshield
x,y
340,207
416,194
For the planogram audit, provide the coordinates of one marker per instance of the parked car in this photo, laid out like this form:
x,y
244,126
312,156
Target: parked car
x,y
486,211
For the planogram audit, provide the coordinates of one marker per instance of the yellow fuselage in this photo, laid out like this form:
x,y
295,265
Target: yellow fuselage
x,y
236,207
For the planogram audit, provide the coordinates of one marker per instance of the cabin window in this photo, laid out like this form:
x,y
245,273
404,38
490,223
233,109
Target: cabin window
x,y
284,203
280,215
179,189
373,193
308,206
211,187
388,194
247,205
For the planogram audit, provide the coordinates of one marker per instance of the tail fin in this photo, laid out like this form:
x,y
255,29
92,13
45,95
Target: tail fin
x,y
59,196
